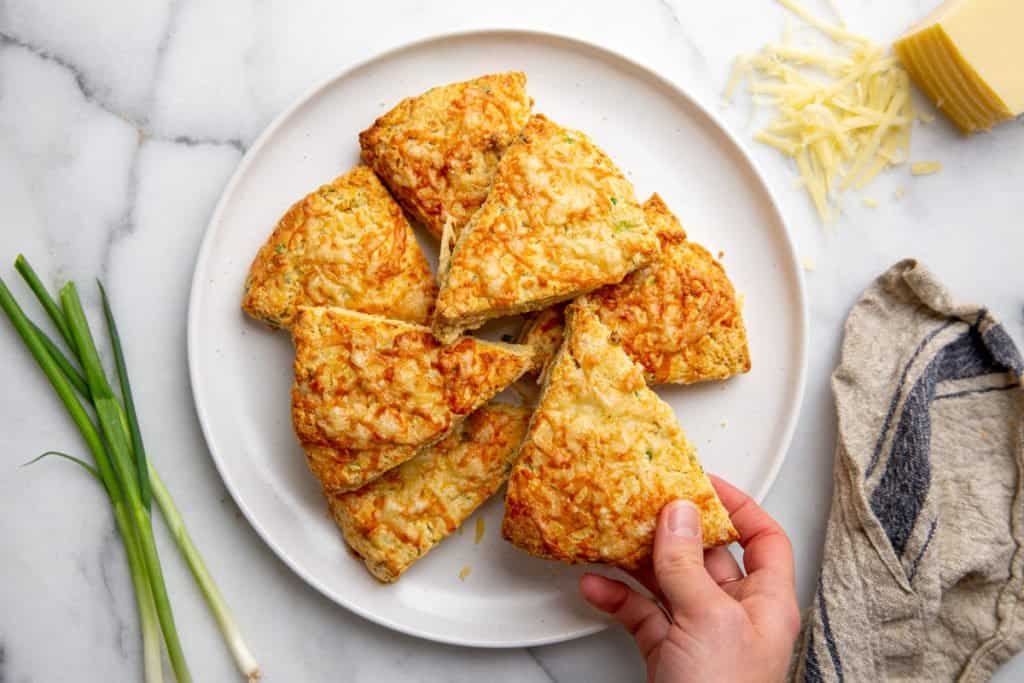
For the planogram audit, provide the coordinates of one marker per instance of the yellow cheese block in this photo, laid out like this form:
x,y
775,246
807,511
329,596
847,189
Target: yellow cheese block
x,y
967,55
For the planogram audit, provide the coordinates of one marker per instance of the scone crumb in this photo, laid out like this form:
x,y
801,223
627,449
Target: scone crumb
x,y
725,423
464,572
480,527
900,192
869,202
808,264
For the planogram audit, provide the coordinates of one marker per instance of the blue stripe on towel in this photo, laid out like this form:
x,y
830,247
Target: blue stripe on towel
x,y
899,497
826,628
899,392
812,672
971,392
924,548
1002,348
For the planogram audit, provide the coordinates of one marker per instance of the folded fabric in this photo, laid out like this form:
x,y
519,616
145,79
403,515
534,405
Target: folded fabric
x,y
923,572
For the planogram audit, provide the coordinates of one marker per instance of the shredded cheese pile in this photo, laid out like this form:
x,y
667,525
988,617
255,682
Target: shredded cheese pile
x,y
843,118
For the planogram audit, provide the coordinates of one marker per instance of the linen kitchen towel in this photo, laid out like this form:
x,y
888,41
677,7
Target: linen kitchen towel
x,y
923,572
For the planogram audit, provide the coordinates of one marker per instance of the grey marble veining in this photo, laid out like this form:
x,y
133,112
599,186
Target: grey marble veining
x,y
120,123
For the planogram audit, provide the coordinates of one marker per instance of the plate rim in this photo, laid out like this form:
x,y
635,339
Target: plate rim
x,y
205,248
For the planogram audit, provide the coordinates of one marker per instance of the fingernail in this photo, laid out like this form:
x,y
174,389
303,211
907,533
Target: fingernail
x,y
683,519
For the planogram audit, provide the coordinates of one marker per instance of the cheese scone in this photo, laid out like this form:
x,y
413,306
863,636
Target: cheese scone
x,y
394,520
371,393
438,152
347,244
602,456
561,220
679,317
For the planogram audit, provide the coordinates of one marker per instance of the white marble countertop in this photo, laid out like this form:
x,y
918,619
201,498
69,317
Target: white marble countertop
x,y
120,122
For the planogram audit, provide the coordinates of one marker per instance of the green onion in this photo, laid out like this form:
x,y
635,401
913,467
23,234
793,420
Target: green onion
x,y
138,451
107,411
122,467
221,612
150,635
78,461
105,405
73,375
51,307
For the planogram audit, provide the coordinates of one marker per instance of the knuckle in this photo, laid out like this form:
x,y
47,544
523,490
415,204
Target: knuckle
x,y
681,555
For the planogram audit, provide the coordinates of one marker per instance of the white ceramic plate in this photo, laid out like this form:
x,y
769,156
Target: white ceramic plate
x,y
241,372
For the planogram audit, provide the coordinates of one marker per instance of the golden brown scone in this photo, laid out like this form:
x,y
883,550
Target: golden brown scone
x,y
561,220
679,317
602,456
371,393
348,244
394,520
438,152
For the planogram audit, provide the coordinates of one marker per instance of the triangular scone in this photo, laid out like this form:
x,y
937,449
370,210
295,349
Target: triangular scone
x,y
602,456
561,220
438,151
679,317
371,393
394,520
348,244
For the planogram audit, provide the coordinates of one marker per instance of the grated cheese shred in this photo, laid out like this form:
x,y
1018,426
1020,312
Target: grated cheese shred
x,y
843,118
925,167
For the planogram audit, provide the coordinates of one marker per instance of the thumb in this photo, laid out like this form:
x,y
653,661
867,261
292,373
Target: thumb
x,y
679,558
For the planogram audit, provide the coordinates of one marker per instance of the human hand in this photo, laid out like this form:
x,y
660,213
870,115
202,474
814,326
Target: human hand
x,y
717,624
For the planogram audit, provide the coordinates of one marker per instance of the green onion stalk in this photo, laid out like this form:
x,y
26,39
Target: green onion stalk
x,y
122,468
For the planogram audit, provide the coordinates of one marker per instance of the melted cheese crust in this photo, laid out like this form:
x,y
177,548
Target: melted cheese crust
x,y
393,521
438,152
371,393
560,221
602,456
679,317
348,244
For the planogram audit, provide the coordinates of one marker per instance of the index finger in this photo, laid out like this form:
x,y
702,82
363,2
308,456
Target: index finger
x,y
765,544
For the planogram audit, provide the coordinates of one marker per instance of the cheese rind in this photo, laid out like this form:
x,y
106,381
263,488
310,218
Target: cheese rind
x,y
966,56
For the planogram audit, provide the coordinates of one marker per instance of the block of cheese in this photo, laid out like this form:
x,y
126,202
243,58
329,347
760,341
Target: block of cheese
x,y
967,56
